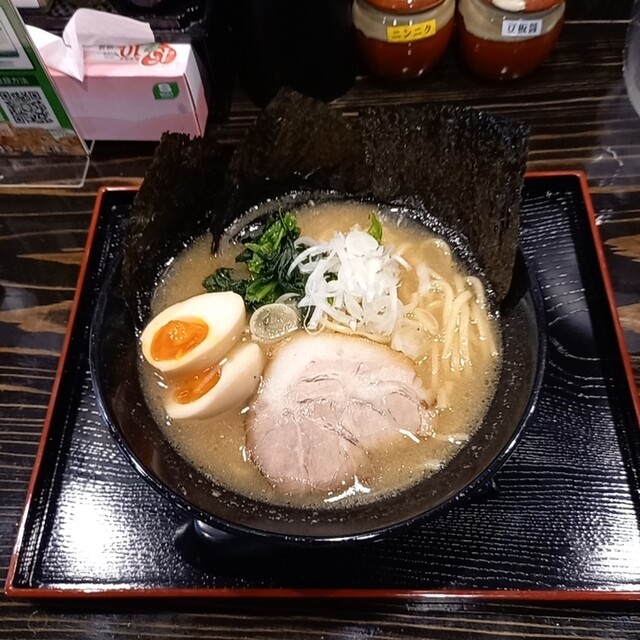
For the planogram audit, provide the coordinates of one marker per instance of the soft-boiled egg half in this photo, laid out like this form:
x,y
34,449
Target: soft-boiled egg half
x,y
191,336
219,387
194,345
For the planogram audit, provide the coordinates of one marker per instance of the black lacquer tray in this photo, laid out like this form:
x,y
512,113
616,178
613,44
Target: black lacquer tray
x,y
560,521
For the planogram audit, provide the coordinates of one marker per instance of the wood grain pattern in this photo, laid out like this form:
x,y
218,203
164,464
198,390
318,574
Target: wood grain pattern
x,y
40,318
626,246
630,317
580,119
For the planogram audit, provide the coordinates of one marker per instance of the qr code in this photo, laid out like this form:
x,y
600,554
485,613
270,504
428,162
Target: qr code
x,y
27,107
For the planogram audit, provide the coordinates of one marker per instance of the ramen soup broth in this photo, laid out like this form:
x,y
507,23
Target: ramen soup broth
x,y
216,446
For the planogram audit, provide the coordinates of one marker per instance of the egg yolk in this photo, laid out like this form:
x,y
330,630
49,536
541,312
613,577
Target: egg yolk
x,y
194,387
176,338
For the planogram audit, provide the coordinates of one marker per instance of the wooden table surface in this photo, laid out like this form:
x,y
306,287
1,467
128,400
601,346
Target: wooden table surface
x,y
580,118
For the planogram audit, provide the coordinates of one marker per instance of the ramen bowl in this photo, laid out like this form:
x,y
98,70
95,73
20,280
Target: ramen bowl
x,y
115,372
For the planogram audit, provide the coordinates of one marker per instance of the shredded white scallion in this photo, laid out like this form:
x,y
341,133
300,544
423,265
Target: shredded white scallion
x,y
352,282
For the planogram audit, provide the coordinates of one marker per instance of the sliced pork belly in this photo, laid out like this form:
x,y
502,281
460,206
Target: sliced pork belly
x,y
326,402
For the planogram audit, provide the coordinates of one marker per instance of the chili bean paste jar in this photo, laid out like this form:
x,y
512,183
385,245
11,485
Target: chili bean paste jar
x,y
507,39
401,39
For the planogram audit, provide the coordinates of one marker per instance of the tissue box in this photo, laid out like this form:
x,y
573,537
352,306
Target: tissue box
x,y
135,92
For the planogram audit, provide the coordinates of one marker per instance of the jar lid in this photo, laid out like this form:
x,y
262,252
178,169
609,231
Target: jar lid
x,y
404,6
524,6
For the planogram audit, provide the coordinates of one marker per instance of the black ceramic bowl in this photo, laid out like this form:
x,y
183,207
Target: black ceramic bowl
x,y
114,357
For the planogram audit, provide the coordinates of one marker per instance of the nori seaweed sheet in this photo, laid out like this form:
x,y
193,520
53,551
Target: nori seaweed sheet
x,y
173,204
464,166
298,143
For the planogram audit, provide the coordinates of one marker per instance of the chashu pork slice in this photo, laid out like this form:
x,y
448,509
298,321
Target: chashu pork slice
x,y
327,401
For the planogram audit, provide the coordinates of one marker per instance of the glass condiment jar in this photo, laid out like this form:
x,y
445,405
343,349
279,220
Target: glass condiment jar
x,y
401,39
507,39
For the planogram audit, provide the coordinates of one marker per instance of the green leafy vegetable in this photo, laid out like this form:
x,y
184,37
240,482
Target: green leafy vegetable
x,y
222,280
375,228
268,258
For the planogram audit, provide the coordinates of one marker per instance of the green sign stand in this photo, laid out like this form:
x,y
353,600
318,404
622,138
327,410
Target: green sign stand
x,y
39,145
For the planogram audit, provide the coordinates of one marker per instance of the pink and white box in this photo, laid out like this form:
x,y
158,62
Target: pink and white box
x,y
135,92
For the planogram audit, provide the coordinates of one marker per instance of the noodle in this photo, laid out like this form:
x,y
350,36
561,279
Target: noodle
x,y
478,289
448,299
451,322
444,307
484,332
413,303
427,320
338,328
464,336
435,364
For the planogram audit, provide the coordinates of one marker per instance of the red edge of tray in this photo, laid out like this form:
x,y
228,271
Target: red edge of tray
x,y
107,591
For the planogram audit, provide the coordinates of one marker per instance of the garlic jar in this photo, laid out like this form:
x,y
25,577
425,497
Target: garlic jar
x,y
507,39
401,39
